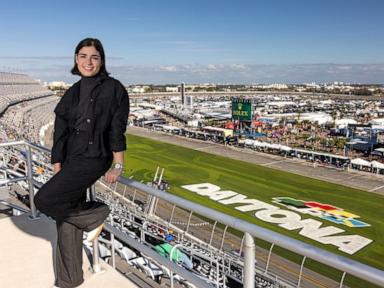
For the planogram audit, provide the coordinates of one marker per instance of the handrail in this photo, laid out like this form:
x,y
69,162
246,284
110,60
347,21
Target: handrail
x,y
357,269
342,263
13,143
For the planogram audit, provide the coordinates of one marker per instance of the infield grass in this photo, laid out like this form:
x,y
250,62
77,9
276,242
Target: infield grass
x,y
186,166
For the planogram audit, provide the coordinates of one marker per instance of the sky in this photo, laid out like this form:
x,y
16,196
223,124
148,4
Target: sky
x,y
199,41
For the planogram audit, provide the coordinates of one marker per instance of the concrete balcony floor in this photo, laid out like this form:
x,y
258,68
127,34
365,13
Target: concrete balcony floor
x,y
26,256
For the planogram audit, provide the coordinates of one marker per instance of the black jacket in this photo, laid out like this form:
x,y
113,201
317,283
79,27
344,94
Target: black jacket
x,y
106,118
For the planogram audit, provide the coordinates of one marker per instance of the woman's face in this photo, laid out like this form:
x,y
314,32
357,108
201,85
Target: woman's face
x,y
88,61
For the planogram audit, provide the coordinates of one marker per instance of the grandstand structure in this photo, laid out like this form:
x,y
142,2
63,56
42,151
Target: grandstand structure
x,y
219,250
25,107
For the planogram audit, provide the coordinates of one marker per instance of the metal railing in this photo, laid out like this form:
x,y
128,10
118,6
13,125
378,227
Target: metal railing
x,y
346,265
29,173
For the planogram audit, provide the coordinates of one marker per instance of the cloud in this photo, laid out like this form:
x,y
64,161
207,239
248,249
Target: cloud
x,y
168,68
58,69
21,58
50,58
242,73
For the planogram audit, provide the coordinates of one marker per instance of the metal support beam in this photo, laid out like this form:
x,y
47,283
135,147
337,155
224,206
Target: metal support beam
x,y
241,245
213,231
113,256
170,219
96,266
223,238
134,196
269,257
342,279
156,203
30,183
301,271
189,222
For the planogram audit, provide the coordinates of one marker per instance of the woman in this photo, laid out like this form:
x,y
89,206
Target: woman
x,y
89,129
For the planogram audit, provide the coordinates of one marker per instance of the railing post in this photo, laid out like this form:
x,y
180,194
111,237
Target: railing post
x,y
301,271
31,188
342,280
170,258
189,221
269,258
217,274
96,267
241,245
249,261
223,238
170,219
113,257
213,230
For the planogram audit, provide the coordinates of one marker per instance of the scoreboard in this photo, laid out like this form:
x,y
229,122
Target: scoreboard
x,y
242,109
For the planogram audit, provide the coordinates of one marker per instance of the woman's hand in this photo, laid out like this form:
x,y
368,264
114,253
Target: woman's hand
x,y
117,169
112,175
56,168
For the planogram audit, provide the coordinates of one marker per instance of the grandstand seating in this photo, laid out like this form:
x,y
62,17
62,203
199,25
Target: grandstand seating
x,y
15,78
150,268
126,253
25,106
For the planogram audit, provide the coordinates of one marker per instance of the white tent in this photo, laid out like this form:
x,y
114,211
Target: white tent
x,y
248,142
275,146
377,121
258,144
377,165
360,162
285,148
319,117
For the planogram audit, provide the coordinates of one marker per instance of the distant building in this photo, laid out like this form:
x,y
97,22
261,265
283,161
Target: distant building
x,y
189,101
276,86
136,89
58,85
171,89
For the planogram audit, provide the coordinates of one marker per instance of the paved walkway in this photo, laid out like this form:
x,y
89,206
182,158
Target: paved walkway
x,y
356,179
26,257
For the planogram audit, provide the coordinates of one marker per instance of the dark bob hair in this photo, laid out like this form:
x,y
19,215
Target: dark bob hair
x,y
98,46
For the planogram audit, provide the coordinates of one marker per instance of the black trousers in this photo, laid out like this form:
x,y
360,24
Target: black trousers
x,y
63,198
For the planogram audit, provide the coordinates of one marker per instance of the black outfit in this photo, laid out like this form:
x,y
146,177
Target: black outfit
x,y
90,123
105,123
